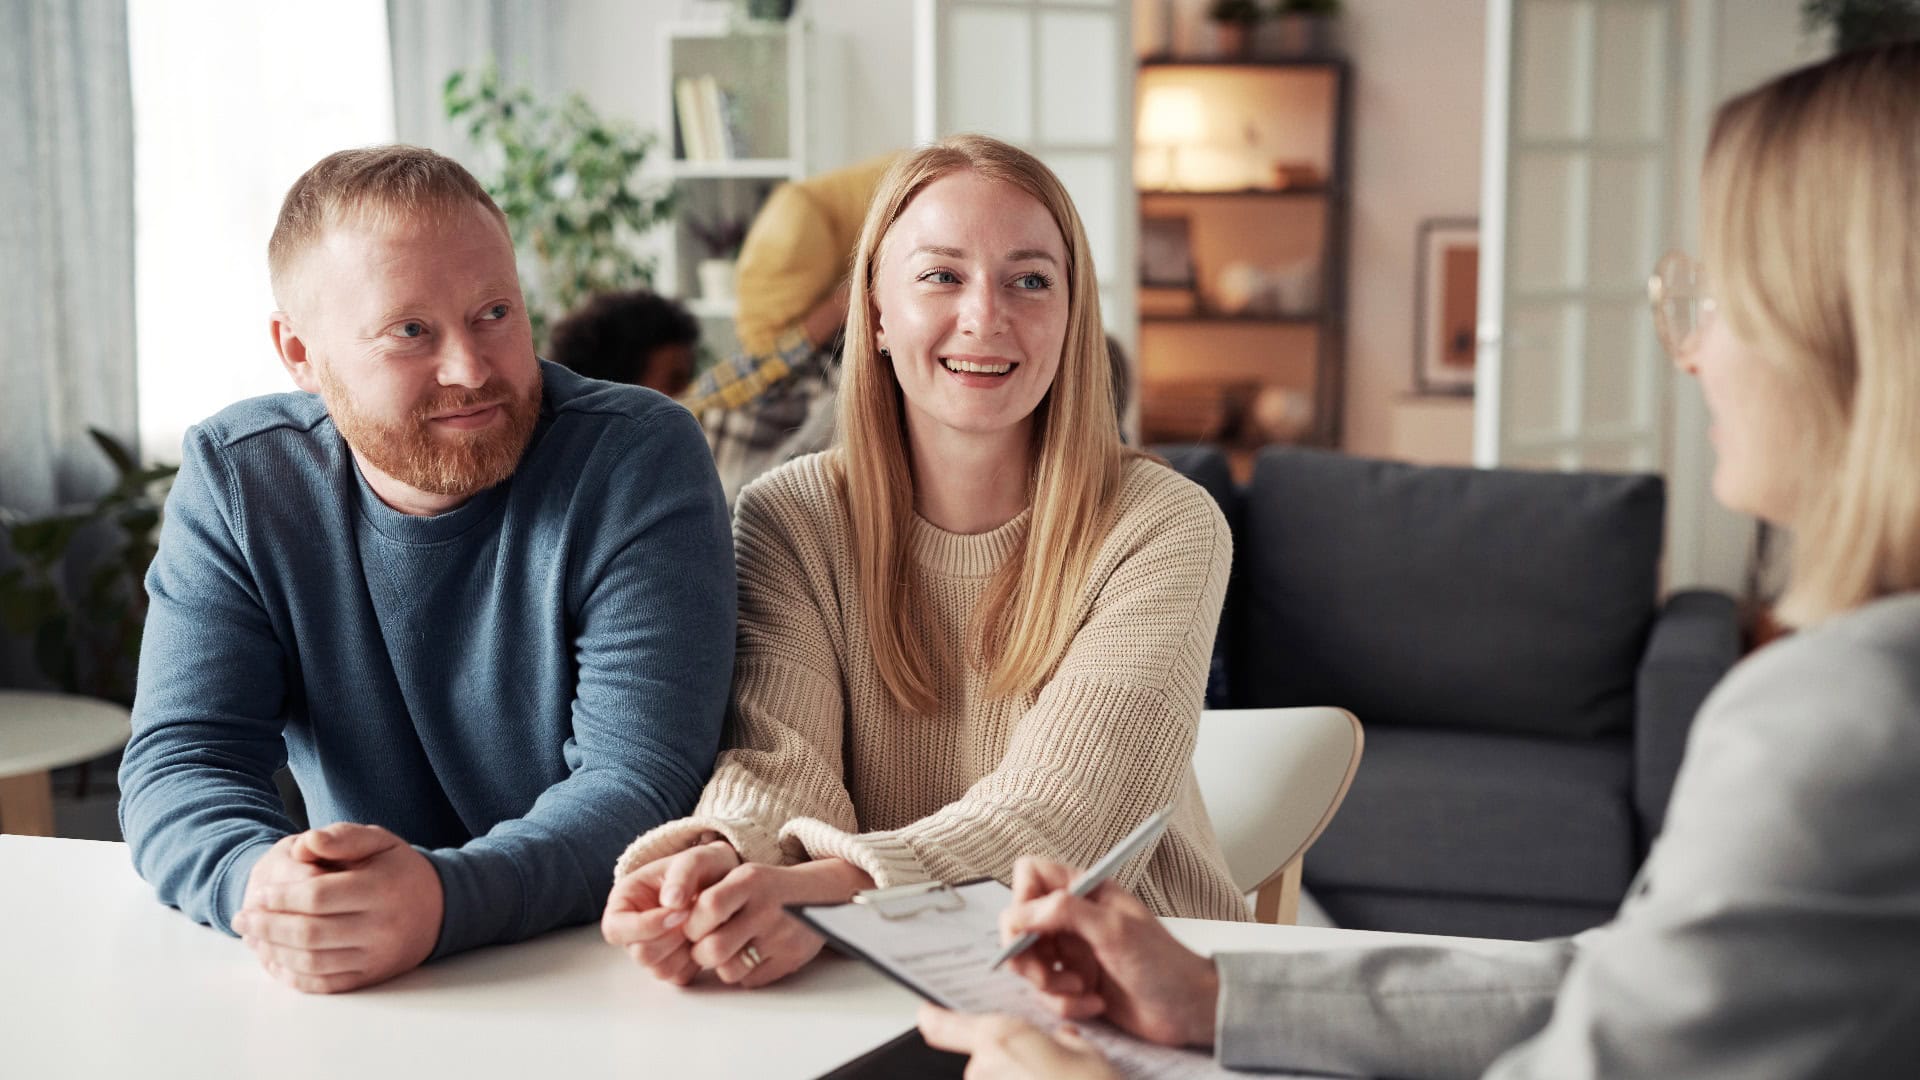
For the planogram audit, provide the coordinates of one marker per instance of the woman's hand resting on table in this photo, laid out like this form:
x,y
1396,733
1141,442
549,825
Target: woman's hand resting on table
x,y
702,909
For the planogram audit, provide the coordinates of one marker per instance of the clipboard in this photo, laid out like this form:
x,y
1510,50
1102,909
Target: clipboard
x,y
903,904
938,941
907,1054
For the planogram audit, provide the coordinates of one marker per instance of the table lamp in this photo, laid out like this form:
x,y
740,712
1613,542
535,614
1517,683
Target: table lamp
x,y
1169,117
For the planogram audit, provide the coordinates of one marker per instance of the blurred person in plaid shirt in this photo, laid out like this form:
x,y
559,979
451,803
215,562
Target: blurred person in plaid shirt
x,y
775,400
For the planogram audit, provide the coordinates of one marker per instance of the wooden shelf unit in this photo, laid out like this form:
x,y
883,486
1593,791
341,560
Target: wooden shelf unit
x,y
1259,114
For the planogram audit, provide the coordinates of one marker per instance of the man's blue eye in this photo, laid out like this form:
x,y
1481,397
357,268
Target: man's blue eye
x,y
497,311
412,329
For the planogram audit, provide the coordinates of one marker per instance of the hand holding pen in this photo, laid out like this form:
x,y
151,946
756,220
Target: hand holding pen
x,y
1132,844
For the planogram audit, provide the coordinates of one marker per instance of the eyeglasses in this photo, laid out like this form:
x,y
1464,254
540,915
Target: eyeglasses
x,y
1681,307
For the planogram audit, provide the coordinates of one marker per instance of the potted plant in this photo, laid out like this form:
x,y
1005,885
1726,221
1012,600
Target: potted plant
x,y
1233,23
75,592
1856,24
1298,29
569,183
768,10
721,238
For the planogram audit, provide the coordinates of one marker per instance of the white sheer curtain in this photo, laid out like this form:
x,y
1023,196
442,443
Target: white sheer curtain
x,y
233,100
66,241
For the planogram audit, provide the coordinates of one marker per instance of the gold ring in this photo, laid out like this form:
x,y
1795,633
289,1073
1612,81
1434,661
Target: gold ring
x,y
753,956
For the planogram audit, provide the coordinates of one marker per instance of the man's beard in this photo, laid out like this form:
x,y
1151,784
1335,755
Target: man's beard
x,y
451,462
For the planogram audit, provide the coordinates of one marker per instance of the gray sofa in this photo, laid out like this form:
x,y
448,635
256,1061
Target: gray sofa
x,y
1526,695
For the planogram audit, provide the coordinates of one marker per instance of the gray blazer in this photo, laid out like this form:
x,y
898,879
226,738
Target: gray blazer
x,y
1773,932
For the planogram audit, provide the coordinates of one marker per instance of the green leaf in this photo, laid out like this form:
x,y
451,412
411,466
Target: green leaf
x,y
53,648
122,458
46,541
153,474
104,607
24,612
104,580
25,604
140,521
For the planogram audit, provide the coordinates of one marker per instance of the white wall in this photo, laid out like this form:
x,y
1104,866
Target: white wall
x,y
1416,154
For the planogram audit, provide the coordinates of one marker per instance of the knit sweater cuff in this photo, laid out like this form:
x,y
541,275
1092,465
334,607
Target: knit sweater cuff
x,y
751,839
886,856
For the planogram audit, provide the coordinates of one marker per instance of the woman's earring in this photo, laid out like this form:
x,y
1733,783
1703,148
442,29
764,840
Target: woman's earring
x,y
884,354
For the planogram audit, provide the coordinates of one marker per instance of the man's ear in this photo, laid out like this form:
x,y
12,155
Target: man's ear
x,y
293,353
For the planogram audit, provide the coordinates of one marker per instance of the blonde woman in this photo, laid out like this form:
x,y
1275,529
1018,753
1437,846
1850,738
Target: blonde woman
x,y
977,627
1775,930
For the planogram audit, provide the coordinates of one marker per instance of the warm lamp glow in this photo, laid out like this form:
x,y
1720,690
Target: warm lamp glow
x,y
1171,115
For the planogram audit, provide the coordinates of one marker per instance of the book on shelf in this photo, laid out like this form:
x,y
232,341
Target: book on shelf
x,y
713,128
734,139
686,107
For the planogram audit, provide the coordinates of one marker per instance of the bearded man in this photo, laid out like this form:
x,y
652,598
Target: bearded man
x,y
482,607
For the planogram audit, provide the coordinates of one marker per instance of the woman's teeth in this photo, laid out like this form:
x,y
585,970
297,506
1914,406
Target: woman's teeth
x,y
971,368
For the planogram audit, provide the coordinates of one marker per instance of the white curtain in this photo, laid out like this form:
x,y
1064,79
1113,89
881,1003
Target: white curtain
x,y
66,242
432,39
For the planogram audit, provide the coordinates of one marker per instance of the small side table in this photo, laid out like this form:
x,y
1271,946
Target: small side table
x,y
42,732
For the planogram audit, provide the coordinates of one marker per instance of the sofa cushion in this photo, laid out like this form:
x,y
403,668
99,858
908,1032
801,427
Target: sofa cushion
x,y
1445,597
1478,917
1495,816
1205,465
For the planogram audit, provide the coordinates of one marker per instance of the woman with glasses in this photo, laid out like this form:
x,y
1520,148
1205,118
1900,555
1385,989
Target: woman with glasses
x,y
1775,929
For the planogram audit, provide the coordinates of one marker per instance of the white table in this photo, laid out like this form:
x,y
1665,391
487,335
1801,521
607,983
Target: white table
x,y
97,979
41,732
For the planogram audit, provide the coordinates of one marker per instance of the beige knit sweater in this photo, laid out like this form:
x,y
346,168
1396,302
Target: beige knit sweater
x,y
819,761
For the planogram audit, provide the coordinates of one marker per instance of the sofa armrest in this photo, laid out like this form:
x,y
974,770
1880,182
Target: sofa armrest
x,y
1695,640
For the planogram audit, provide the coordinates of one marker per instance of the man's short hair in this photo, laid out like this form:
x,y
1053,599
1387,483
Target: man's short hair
x,y
368,183
613,335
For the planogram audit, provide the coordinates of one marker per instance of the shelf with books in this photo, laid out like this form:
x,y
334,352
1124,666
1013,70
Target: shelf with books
x,y
733,100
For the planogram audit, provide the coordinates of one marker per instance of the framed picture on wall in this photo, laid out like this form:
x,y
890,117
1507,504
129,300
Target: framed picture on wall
x,y
1446,302
1166,254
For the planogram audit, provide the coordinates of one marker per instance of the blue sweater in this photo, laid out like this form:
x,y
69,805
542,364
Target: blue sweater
x,y
517,687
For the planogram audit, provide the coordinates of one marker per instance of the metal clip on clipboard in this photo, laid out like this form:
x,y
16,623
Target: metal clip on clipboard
x,y
907,901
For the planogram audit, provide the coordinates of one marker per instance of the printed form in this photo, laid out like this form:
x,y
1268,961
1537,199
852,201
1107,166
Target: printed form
x,y
940,946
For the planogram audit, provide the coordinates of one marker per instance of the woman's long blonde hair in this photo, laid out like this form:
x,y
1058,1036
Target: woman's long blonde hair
x,y
1026,621
1812,231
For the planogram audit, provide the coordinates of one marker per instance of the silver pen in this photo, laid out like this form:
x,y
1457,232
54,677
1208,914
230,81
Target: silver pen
x,y
1091,878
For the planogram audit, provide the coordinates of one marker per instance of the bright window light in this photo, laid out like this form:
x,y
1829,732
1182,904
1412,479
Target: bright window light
x,y
232,100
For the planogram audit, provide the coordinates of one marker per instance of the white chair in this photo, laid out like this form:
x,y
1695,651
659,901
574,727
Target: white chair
x,y
1271,779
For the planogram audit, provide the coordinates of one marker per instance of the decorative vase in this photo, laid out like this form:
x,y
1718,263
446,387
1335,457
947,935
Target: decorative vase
x,y
1294,37
1232,39
716,279
769,10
